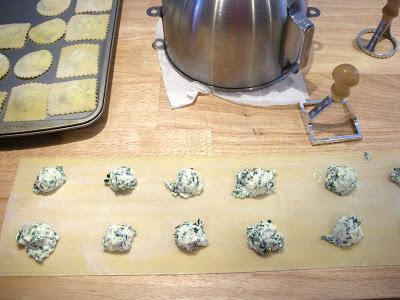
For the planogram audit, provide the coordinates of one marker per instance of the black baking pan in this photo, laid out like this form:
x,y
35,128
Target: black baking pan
x,y
22,11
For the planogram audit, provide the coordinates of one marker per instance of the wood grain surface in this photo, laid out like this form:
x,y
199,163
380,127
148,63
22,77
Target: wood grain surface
x,y
139,121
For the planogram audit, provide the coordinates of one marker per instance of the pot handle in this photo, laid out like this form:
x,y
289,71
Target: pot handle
x,y
154,11
298,37
313,12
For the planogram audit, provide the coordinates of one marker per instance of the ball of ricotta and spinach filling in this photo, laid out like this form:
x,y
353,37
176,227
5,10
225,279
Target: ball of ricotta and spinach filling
x,y
49,179
188,184
190,236
118,238
346,232
254,182
121,179
263,237
395,175
341,180
39,240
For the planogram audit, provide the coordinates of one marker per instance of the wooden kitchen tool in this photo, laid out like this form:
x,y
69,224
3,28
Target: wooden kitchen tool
x,y
390,12
345,77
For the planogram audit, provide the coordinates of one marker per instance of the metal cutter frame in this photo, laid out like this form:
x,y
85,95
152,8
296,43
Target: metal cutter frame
x,y
319,107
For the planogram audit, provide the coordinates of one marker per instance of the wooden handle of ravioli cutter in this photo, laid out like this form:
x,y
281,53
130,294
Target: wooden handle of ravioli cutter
x,y
345,76
391,10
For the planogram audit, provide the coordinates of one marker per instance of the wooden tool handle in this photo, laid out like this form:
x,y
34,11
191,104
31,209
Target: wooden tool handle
x,y
345,76
391,10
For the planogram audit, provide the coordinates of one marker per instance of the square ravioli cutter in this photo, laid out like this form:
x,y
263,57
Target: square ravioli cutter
x,y
345,77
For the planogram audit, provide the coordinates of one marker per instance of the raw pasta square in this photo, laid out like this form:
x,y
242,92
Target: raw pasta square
x,y
72,97
13,36
85,6
27,102
87,27
3,96
78,60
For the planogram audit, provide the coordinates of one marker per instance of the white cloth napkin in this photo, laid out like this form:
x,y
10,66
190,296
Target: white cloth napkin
x,y
183,92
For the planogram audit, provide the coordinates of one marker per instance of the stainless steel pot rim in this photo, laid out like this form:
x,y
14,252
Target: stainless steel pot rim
x,y
156,11
158,44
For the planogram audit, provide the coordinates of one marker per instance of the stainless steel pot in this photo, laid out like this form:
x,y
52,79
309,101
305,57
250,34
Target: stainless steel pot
x,y
236,44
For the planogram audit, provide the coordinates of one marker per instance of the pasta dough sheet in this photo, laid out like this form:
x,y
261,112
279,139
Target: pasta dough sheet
x,y
302,209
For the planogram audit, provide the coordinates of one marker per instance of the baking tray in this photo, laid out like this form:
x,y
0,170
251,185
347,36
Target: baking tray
x,y
22,11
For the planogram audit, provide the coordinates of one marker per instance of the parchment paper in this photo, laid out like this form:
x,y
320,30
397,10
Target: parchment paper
x,y
301,208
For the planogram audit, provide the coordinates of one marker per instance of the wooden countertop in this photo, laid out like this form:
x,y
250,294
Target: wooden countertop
x,y
139,121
